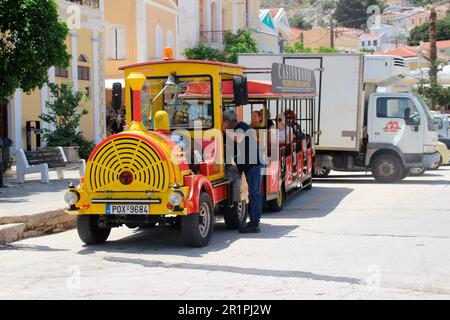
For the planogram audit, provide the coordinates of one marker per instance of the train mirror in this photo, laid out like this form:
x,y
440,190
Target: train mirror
x,y
117,96
240,89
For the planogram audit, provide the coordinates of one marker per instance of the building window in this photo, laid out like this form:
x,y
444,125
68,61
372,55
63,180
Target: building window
x,y
61,72
158,42
375,42
170,39
116,44
362,43
369,43
83,73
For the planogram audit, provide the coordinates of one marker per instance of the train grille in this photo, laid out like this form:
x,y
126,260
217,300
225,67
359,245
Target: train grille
x,y
124,156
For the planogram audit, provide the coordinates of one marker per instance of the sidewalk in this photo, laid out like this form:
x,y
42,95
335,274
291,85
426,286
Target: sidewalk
x,y
34,208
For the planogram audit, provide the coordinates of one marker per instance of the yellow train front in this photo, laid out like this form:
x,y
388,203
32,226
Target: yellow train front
x,y
142,176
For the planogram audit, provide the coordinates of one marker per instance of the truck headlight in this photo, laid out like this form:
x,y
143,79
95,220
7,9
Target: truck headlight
x,y
71,197
176,198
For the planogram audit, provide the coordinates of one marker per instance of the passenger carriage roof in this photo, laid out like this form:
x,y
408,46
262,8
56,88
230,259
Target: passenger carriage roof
x,y
212,63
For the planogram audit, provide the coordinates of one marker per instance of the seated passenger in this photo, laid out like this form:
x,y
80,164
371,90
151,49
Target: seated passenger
x,y
285,132
257,120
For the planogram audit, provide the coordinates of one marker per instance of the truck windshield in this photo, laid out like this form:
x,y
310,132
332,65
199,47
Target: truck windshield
x,y
426,109
188,101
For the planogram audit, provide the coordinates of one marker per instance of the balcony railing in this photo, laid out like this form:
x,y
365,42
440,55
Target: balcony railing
x,y
89,3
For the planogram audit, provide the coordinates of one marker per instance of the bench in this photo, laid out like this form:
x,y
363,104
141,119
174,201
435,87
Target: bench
x,y
43,160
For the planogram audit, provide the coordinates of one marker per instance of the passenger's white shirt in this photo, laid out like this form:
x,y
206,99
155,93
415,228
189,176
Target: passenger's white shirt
x,y
283,132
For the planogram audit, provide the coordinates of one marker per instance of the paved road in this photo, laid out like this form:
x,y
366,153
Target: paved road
x,y
347,238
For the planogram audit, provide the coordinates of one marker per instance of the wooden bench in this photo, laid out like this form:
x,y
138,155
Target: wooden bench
x,y
43,160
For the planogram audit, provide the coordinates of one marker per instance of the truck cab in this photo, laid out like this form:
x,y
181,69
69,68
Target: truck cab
x,y
401,135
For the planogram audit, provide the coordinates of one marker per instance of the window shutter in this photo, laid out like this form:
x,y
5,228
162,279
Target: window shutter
x,y
111,44
121,44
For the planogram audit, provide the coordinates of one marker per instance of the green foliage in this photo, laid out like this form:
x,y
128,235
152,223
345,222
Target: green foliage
x,y
205,52
32,39
64,113
353,13
323,49
299,47
240,42
327,5
432,91
366,50
421,33
297,20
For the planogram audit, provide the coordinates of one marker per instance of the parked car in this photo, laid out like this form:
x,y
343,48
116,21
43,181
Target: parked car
x,y
445,140
444,159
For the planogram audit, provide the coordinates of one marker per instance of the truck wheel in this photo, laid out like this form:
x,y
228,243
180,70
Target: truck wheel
x,y
236,216
89,230
387,168
197,228
321,172
416,172
276,205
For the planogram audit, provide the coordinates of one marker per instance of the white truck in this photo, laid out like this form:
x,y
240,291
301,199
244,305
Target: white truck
x,y
358,128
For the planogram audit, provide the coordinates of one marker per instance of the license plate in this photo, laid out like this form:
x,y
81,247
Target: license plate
x,y
138,209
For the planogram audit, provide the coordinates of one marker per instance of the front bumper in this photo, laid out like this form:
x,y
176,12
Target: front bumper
x,y
429,159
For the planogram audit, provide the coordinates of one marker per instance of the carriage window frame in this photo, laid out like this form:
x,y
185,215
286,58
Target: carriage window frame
x,y
212,96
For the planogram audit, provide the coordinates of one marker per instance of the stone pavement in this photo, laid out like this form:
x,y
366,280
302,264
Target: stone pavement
x,y
39,206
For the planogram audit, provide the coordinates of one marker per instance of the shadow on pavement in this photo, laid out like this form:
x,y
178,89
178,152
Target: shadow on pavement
x,y
315,203
168,241
232,269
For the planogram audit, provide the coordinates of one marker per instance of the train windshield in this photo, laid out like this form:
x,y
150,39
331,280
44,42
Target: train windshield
x,y
187,100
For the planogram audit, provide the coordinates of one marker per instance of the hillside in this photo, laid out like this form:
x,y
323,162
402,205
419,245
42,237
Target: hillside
x,y
317,12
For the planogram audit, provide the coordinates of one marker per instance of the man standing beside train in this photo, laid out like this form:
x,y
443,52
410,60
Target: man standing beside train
x,y
248,160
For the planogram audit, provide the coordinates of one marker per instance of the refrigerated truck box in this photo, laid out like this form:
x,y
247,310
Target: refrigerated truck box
x,y
340,100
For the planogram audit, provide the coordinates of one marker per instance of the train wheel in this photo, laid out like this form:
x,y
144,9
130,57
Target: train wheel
x,y
236,216
89,230
276,205
197,228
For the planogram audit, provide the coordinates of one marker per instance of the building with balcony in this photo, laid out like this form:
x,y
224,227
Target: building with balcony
x,y
85,19
207,21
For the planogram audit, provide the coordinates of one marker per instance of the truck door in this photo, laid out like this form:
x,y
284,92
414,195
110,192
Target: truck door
x,y
388,124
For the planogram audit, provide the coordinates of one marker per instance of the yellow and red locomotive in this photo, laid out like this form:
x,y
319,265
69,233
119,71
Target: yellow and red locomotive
x,y
145,175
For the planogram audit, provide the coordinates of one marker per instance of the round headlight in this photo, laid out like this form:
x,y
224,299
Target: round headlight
x,y
176,198
71,197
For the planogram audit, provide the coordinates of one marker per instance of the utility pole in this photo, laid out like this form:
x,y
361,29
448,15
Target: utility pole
x,y
433,54
331,33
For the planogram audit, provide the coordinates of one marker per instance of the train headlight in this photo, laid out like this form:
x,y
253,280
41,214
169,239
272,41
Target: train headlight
x,y
176,198
71,197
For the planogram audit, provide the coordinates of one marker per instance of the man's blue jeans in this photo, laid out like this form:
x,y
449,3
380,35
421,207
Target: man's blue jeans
x,y
254,179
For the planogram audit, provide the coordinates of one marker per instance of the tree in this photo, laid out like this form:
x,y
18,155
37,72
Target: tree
x,y
32,39
353,13
240,42
297,20
327,5
421,33
234,43
63,115
205,52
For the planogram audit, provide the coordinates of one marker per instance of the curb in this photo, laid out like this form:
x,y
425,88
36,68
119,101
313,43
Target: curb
x,y
14,228
11,232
